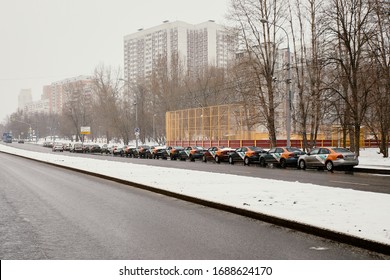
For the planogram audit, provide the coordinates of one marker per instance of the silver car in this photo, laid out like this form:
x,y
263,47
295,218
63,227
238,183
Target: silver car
x,y
330,158
58,147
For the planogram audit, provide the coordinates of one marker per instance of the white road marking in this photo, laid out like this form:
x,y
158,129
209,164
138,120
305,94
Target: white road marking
x,y
319,248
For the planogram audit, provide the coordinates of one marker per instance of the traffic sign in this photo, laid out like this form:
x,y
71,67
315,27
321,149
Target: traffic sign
x,y
137,130
85,130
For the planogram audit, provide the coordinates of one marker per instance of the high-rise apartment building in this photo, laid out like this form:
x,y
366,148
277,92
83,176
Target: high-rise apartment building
x,y
59,92
191,46
24,98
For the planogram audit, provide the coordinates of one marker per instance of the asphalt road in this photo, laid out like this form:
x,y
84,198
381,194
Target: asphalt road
x,y
357,181
48,212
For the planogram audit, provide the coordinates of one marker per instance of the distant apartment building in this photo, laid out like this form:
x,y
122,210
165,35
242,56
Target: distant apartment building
x,y
58,93
192,46
55,95
26,103
39,106
24,98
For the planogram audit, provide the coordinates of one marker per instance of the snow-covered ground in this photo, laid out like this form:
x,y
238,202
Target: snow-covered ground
x,y
370,158
357,213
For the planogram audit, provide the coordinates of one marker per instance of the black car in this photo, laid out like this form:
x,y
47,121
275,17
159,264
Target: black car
x,y
94,148
246,154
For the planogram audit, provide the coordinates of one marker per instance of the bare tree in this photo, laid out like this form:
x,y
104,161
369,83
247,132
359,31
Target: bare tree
x,y
78,105
350,26
378,119
309,67
257,23
107,92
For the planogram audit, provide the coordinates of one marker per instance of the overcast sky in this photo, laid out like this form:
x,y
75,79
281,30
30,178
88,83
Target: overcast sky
x,y
43,41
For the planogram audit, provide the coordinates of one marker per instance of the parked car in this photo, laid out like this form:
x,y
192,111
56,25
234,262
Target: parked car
x,y
48,144
77,148
129,151
67,146
58,147
21,141
117,150
329,158
86,147
160,152
104,149
281,156
217,154
111,148
145,151
192,153
94,148
174,152
247,155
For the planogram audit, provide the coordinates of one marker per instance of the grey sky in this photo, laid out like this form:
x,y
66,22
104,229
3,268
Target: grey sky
x,y
43,41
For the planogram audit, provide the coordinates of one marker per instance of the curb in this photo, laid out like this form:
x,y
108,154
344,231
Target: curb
x,y
302,227
371,170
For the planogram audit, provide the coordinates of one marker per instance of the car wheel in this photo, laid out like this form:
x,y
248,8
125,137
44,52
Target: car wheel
x,y
262,162
204,159
329,165
246,161
191,158
302,164
217,160
231,161
283,163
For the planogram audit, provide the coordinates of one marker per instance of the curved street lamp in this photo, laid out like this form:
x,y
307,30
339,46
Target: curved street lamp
x,y
288,81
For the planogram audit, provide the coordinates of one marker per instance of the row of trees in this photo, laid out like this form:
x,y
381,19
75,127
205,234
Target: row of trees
x,y
340,53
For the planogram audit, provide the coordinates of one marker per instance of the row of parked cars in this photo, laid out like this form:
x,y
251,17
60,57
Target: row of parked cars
x,y
320,158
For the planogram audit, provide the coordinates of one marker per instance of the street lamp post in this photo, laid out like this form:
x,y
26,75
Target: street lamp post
x,y
288,81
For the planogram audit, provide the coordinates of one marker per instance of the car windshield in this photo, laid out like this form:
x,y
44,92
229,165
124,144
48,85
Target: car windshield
x,y
341,150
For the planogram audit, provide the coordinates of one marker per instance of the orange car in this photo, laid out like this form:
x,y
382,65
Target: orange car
x,y
218,154
174,152
282,156
145,151
330,158
192,153
247,154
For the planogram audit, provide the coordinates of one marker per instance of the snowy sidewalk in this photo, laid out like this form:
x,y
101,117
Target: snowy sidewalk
x,y
365,215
